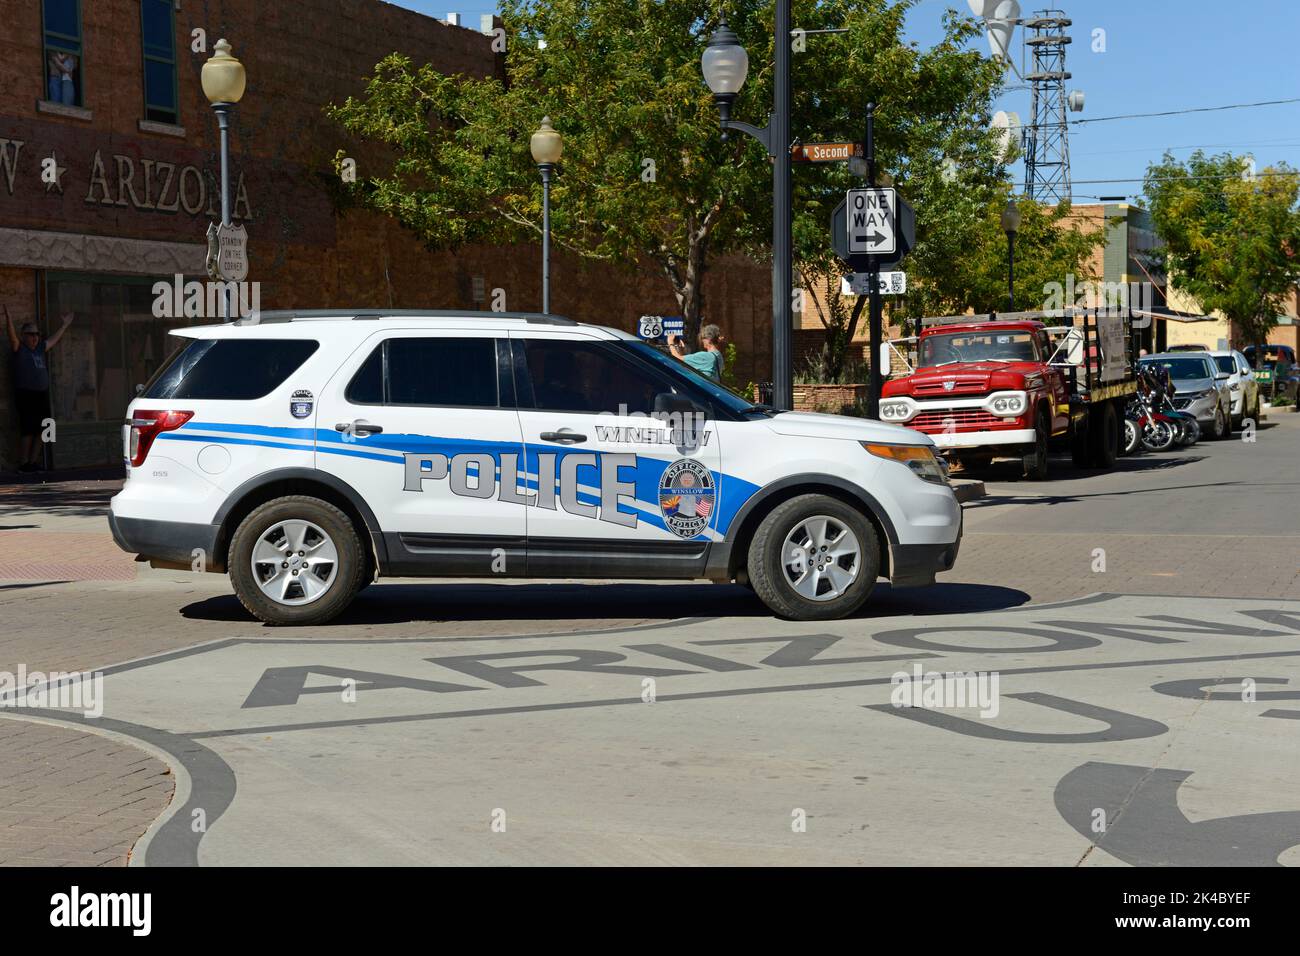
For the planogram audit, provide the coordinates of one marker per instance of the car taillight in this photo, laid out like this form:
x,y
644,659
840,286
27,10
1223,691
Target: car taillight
x,y
148,425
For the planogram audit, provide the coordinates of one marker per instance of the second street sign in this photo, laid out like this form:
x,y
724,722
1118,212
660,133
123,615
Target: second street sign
x,y
824,152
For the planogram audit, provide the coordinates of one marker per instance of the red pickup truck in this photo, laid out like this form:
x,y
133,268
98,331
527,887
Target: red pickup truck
x,y
1010,388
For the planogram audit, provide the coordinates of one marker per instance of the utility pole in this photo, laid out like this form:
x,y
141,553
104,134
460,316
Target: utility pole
x,y
875,319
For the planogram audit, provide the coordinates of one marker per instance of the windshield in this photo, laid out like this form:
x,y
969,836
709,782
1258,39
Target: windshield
x,y
1226,363
1182,369
720,395
978,347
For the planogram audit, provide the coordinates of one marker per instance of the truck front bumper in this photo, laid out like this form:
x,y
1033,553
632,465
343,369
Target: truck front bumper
x,y
1010,436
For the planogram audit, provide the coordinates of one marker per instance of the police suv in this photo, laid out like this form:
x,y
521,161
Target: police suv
x,y
308,453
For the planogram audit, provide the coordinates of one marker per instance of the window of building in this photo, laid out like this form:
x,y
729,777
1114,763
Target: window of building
x,y
113,343
158,37
61,22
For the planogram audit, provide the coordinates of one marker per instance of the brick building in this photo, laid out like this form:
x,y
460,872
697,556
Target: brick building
x,y
104,99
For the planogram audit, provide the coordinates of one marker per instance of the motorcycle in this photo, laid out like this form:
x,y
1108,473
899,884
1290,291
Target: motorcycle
x,y
1145,423
1187,430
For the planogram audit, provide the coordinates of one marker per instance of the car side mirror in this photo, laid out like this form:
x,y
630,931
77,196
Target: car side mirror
x,y
1223,376
670,403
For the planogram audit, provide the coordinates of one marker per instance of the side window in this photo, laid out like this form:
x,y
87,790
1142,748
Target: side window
x,y
61,22
367,386
428,371
158,38
570,376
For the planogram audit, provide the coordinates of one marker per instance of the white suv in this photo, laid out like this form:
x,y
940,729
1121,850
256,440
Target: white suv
x,y
309,453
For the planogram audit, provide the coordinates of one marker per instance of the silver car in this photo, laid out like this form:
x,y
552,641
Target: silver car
x,y
1241,385
1199,388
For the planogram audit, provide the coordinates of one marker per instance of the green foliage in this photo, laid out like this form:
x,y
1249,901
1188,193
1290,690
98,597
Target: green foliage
x,y
825,368
1232,244
621,81
1047,249
730,355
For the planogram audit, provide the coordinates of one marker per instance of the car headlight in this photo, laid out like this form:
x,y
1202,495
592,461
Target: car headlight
x,y
895,411
1012,403
919,459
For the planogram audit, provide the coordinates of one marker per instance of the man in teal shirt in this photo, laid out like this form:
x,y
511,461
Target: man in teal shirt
x,y
708,360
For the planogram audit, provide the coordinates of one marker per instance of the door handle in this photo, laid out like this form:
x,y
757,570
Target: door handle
x,y
359,427
563,437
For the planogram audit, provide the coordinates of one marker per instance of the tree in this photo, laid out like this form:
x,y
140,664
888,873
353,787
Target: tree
x,y
1232,241
1048,249
645,175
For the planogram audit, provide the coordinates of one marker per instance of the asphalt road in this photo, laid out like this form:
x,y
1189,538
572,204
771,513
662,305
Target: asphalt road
x,y
1134,636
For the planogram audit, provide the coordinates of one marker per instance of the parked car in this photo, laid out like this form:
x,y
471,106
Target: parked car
x,y
1241,385
1199,388
1277,372
309,453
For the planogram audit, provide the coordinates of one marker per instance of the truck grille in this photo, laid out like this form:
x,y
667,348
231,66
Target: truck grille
x,y
959,388
954,417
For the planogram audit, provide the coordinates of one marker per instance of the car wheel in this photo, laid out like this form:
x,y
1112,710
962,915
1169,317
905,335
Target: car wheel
x,y
1104,436
1036,461
1218,430
814,558
296,560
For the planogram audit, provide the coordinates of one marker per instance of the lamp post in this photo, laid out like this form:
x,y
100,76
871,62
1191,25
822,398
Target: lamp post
x,y
1011,225
725,65
546,146
223,82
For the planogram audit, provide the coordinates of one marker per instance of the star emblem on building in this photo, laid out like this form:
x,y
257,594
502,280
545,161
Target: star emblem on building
x,y
57,181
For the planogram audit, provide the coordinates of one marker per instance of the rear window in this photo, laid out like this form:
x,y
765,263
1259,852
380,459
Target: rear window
x,y
230,369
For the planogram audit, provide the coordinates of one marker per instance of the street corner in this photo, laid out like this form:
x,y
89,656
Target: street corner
x,y
1093,711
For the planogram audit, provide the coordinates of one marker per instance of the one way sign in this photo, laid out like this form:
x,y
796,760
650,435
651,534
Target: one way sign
x,y
872,221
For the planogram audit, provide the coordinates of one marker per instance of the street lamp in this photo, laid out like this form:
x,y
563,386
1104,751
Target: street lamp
x,y
223,84
1011,225
546,146
725,65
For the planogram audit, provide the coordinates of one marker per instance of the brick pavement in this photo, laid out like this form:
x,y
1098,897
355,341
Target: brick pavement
x,y
70,798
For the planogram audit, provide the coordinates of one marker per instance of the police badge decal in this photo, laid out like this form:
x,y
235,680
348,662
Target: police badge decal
x,y
300,403
686,497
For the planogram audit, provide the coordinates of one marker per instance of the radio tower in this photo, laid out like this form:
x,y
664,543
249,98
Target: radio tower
x,y
1047,148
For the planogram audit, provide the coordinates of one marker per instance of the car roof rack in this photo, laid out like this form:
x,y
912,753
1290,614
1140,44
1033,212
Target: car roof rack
x,y
290,315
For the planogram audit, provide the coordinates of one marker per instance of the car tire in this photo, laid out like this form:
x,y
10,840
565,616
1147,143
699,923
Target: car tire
x,y
1036,461
319,528
786,582
1228,427
1218,430
1104,435
1081,445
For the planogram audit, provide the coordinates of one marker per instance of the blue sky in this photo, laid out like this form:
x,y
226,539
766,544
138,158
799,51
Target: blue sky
x,y
1159,55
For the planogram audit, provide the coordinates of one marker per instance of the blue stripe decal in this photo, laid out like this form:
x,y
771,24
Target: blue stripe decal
x,y
732,492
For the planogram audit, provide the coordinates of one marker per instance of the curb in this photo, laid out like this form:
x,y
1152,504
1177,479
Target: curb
x,y
967,490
